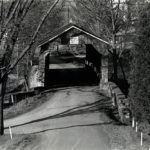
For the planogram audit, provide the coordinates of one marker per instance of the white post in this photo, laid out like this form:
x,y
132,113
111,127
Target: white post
x,y
113,98
133,123
141,138
136,128
12,99
10,132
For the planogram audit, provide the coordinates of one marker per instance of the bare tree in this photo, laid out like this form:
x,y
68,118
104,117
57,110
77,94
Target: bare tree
x,y
109,20
10,27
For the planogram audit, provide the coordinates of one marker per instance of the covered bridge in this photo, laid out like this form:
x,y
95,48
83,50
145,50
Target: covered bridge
x,y
70,53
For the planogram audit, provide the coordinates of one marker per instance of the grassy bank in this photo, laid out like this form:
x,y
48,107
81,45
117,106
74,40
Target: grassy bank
x,y
19,142
26,105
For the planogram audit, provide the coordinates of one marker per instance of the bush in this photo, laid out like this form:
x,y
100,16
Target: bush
x,y
140,68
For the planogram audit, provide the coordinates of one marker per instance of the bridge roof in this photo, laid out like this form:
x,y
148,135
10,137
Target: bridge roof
x,y
66,28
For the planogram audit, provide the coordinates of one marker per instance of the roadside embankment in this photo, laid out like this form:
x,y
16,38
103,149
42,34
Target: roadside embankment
x,y
121,102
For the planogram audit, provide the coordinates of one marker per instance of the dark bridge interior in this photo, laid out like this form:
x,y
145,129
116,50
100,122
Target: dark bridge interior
x,y
71,70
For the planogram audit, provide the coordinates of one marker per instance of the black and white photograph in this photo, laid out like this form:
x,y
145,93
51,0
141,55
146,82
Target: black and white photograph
x,y
74,74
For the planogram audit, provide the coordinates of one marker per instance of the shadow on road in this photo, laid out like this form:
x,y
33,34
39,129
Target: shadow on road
x,y
103,105
74,126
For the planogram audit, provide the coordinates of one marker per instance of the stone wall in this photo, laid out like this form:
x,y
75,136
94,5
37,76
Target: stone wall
x,y
120,102
104,74
34,79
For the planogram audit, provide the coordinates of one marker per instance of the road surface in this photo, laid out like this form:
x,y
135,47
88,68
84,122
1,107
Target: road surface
x,y
72,119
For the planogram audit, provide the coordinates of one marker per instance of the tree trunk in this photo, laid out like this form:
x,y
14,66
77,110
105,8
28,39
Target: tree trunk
x,y
115,65
2,93
3,77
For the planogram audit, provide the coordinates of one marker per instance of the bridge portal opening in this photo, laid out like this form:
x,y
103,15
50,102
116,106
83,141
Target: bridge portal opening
x,y
67,68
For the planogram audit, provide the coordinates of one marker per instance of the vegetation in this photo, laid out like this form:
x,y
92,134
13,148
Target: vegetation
x,y
26,105
140,68
12,15
10,25
109,20
27,28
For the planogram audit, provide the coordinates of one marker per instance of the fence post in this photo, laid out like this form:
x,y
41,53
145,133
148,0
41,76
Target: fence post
x,y
10,132
12,98
133,122
136,128
141,138
113,98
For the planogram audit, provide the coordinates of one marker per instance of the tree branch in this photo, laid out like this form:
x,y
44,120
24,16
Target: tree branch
x,y
15,62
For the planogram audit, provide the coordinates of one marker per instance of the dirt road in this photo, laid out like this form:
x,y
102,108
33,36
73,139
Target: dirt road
x,y
72,119
79,127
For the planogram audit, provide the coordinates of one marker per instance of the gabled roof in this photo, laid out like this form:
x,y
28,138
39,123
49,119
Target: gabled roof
x,y
66,28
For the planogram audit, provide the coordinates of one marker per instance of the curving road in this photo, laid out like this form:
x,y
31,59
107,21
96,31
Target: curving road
x,y
70,120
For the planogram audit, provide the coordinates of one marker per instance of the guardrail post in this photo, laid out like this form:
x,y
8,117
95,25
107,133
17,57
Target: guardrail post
x,y
133,122
12,99
10,132
136,127
141,138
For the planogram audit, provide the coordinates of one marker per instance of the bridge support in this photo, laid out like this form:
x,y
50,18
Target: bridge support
x,y
104,73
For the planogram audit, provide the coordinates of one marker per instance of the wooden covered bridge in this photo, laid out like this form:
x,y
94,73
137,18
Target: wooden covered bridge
x,y
70,54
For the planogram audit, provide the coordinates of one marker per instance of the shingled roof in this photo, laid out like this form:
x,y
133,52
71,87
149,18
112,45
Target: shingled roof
x,y
66,28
